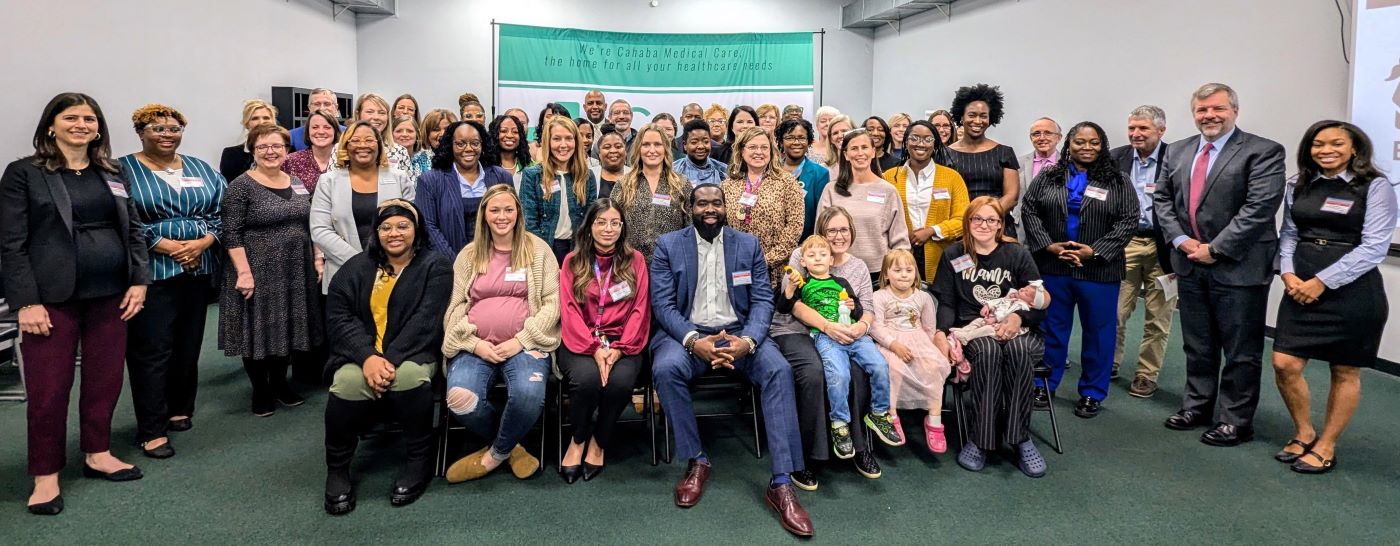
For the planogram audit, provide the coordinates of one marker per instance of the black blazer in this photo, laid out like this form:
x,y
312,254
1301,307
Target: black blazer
x,y
413,332
1238,210
1105,224
1123,157
235,161
39,256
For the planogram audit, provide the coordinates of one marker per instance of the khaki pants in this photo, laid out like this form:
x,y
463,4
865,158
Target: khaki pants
x,y
1142,272
349,381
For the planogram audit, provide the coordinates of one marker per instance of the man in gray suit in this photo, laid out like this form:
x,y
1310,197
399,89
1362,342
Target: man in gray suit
x,y
1045,144
1216,203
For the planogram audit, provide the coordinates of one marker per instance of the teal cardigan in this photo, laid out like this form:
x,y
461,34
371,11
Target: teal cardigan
x,y
541,216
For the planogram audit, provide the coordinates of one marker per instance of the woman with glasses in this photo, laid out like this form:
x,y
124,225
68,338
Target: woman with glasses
x,y
943,121
795,141
874,204
449,194
177,200
270,309
765,201
934,197
987,264
605,318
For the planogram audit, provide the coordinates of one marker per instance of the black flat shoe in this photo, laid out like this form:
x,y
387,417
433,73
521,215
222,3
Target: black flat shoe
x,y
1185,420
339,505
180,425
123,475
264,408
1088,408
1225,435
591,471
51,508
1287,457
164,451
571,474
1304,468
289,398
1042,399
404,495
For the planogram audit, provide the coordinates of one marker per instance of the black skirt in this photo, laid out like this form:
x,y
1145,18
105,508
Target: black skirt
x,y
1344,326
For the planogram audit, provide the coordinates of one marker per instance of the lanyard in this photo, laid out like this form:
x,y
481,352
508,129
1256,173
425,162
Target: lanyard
x,y
751,188
602,296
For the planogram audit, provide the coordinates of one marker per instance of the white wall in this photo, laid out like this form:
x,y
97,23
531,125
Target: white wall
x,y
201,57
438,49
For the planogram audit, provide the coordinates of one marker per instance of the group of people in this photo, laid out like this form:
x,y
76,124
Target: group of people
x,y
847,271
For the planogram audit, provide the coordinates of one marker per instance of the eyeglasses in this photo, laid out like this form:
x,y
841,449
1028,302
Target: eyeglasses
x,y
270,147
401,227
600,224
841,232
466,144
1044,134
794,138
943,125
166,129
758,148
989,222
364,141
922,140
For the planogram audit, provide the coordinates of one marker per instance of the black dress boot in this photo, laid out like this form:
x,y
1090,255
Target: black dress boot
x,y
344,419
414,410
263,405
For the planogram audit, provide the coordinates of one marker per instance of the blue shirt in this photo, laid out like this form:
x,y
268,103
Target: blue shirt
x,y
471,188
1375,235
712,171
1078,181
184,215
1143,176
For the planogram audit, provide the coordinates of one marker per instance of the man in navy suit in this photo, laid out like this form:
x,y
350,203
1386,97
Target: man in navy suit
x,y
712,299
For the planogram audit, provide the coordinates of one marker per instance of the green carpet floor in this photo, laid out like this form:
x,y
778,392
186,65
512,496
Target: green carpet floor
x,y
1124,478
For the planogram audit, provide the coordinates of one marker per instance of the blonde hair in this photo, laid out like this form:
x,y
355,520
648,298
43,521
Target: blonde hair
x,y
626,188
149,113
898,256
396,122
578,164
342,148
430,122
737,168
833,155
715,108
522,248
767,108
388,112
815,241
251,106
900,116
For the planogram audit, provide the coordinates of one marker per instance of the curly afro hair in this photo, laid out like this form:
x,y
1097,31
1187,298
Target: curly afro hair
x,y
981,92
149,113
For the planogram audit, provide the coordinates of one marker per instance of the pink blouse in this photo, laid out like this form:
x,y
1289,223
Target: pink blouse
x,y
626,323
499,300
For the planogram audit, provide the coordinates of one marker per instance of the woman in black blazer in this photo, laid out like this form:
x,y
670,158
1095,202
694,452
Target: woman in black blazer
x,y
1079,215
75,267
384,318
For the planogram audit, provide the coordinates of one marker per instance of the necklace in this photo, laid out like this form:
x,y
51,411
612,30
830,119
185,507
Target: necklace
x,y
169,169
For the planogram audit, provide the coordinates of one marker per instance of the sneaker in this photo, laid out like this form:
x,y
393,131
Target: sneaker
x,y
1142,387
884,429
841,443
867,465
805,480
1042,399
937,441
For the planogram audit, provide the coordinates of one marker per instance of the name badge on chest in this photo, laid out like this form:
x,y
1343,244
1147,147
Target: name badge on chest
x,y
741,278
962,263
1096,193
941,194
661,199
748,199
191,182
515,275
117,189
1337,205
620,291
876,197
300,189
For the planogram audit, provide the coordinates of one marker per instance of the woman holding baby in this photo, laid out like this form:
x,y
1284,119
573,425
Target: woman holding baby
x,y
987,265
1079,214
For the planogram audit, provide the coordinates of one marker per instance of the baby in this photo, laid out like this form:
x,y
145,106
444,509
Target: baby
x,y
1032,296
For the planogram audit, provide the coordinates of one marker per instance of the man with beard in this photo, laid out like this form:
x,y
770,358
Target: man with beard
x,y
697,166
620,114
712,299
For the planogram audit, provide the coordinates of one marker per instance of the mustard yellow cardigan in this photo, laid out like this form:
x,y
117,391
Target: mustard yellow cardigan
x,y
946,214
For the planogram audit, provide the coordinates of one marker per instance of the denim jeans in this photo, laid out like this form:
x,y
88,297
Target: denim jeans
x,y
836,363
525,376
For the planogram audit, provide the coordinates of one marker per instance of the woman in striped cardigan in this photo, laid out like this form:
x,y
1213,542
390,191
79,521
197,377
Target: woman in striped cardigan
x,y
502,321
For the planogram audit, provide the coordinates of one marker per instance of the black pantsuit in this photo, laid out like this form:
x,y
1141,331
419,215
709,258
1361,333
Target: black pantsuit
x,y
162,356
588,395
810,383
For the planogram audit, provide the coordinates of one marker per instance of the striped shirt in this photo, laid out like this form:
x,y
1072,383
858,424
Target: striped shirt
x,y
183,214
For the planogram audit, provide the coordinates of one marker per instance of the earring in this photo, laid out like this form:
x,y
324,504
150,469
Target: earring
x,y
98,137
51,135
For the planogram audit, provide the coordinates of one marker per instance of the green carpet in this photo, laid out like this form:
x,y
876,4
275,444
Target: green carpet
x,y
1124,478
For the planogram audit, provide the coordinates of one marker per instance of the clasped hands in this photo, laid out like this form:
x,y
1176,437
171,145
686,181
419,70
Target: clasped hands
x,y
185,253
720,350
1303,292
1197,251
1071,252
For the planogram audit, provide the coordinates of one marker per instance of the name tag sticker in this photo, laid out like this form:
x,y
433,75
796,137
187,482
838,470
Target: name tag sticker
x,y
1151,188
619,291
1337,206
1096,193
117,188
962,263
748,199
741,278
942,194
876,197
661,199
191,182
300,189
515,276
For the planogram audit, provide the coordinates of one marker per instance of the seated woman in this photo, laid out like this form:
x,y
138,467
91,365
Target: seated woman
x,y
987,264
502,321
382,318
604,332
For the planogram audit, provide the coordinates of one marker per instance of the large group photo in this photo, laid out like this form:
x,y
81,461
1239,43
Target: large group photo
x,y
458,271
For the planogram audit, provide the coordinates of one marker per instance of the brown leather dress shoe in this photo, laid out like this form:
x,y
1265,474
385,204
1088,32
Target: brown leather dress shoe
x,y
783,500
692,486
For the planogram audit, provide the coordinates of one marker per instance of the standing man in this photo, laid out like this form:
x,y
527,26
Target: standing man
x,y
1045,144
320,99
714,304
620,114
1216,202
594,106
1147,254
793,111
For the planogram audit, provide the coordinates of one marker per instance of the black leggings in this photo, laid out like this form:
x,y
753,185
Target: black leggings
x,y
587,394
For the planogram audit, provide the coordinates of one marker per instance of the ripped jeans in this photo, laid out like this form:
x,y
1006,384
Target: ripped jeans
x,y
468,380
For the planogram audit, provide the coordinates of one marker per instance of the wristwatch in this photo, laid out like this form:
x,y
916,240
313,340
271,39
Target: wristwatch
x,y
753,345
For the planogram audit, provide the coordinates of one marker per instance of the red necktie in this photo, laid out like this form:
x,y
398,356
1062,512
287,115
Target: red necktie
x,y
1198,183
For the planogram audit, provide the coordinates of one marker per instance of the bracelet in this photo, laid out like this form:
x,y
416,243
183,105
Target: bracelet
x,y
31,305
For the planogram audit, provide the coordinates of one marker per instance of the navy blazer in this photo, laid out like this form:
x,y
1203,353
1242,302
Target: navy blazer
x,y
439,200
675,265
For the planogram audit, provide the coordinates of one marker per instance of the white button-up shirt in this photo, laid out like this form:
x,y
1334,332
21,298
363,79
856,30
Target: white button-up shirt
x,y
711,308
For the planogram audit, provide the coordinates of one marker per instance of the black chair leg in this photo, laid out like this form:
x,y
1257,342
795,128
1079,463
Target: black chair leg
x,y
757,435
559,426
1055,429
962,416
651,423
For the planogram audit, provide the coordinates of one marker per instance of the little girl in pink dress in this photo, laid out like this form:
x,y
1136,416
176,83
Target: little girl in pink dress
x,y
914,348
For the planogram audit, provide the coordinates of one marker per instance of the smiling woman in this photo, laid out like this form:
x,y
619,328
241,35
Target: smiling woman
x,y
554,193
766,201
449,193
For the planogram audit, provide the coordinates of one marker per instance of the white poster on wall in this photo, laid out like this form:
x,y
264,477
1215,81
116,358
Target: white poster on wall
x,y
1375,82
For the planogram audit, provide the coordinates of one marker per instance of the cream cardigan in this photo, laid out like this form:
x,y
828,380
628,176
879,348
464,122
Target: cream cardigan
x,y
541,329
